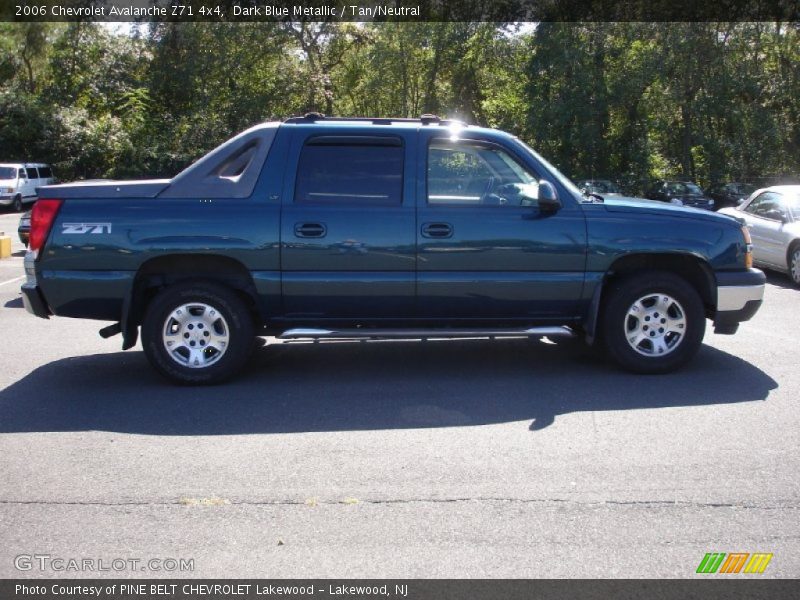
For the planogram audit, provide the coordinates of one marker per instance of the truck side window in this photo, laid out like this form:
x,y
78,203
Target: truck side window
x,y
472,173
343,171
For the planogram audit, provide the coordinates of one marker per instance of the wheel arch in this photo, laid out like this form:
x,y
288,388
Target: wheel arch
x,y
159,272
696,271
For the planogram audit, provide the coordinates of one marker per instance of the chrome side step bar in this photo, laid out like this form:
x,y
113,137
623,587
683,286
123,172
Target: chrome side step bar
x,y
559,331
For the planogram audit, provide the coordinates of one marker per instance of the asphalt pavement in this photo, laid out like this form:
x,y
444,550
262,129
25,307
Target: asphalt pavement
x,y
472,458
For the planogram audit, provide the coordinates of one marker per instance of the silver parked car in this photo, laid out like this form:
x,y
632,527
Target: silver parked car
x,y
773,217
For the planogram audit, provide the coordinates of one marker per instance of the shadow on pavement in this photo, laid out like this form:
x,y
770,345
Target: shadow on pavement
x,y
780,280
15,303
341,386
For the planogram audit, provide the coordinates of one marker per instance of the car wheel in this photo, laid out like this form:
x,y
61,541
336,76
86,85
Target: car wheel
x,y
197,333
794,264
653,322
17,203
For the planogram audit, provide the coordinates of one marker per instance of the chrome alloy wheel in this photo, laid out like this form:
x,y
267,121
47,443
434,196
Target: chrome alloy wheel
x,y
655,325
795,266
196,335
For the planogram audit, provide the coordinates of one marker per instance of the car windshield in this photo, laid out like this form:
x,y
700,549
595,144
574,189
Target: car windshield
x,y
680,187
601,187
793,205
745,189
8,173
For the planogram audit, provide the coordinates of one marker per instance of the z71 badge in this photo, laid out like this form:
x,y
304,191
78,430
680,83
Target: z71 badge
x,y
85,228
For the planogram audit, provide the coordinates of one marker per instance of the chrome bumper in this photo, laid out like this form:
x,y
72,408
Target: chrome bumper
x,y
736,297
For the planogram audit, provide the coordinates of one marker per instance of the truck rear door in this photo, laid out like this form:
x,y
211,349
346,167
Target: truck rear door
x,y
347,225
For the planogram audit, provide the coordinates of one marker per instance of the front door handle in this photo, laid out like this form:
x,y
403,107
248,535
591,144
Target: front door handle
x,y
310,230
437,230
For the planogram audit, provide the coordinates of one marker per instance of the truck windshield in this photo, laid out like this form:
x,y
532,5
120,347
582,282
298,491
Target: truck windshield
x,y
563,179
8,173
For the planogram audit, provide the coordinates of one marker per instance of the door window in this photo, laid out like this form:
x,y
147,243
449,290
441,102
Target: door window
x,y
465,173
768,205
346,170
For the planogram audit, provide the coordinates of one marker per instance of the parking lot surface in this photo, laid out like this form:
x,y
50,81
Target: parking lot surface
x,y
471,458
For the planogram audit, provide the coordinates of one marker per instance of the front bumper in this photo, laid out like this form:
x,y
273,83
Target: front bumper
x,y
739,296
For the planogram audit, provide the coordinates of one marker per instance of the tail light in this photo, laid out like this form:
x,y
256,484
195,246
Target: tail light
x,y
42,218
748,245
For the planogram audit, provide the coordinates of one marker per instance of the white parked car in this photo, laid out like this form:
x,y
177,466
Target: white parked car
x,y
18,182
773,218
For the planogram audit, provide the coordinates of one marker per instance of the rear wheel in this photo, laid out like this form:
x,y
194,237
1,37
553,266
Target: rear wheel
x,y
197,333
17,203
653,322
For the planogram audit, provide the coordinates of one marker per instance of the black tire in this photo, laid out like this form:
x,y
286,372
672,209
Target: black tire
x,y
18,203
794,263
618,325
232,318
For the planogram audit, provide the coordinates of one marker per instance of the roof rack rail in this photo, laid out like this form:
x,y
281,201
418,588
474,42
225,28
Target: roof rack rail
x,y
426,119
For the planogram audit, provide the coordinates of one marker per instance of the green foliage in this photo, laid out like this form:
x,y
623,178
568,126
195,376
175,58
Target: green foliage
x,y
628,101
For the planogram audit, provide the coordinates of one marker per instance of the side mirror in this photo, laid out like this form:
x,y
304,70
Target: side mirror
x,y
548,198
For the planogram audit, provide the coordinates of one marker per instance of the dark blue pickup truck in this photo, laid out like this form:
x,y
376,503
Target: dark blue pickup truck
x,y
331,227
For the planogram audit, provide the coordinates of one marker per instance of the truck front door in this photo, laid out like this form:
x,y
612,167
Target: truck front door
x,y
485,249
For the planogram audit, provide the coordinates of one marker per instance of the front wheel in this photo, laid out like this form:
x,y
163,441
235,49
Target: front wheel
x,y
794,264
197,333
653,322
17,203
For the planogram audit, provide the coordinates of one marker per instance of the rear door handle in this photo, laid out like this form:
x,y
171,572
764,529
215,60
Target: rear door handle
x,y
437,230
310,230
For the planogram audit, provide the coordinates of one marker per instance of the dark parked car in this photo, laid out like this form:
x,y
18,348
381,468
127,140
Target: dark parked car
x,y
603,187
729,194
24,229
682,193
377,228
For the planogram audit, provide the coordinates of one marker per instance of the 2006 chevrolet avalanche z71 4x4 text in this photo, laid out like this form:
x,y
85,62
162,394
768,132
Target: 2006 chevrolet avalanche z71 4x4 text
x,y
335,227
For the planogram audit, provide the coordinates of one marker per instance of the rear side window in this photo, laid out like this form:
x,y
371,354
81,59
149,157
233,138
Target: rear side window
x,y
45,172
346,170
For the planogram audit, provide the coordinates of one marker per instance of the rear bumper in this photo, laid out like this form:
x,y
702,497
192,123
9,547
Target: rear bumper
x,y
34,301
739,296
